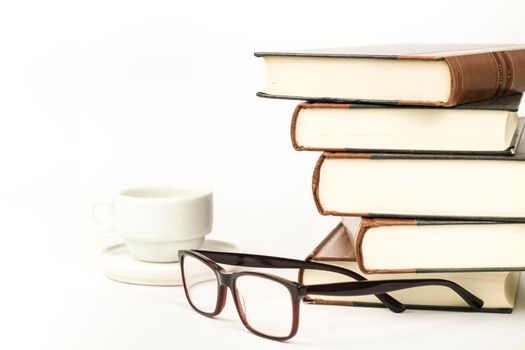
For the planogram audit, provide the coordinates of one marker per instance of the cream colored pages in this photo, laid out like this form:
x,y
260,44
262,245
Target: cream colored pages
x,y
405,129
423,187
465,246
358,78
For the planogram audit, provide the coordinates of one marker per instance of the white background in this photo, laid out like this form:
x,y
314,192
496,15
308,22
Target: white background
x,y
100,95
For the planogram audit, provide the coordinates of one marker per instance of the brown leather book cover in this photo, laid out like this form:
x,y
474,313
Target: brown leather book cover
x,y
508,103
478,71
337,247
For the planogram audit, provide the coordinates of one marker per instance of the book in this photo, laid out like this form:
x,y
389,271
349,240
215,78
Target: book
x,y
419,186
496,289
423,74
417,246
484,127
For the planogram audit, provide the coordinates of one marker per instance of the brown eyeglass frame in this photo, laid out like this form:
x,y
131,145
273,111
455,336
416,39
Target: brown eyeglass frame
x,y
362,286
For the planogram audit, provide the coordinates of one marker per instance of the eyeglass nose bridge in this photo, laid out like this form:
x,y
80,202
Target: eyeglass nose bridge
x,y
226,278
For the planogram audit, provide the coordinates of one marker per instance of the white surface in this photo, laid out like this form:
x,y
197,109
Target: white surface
x,y
100,95
119,265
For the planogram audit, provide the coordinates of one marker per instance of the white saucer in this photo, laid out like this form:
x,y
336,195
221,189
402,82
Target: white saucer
x,y
120,266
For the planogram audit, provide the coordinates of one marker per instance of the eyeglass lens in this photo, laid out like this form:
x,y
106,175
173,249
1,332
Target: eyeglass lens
x,y
265,304
201,284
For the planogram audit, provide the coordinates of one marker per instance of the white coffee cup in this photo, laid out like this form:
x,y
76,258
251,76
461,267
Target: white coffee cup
x,y
156,222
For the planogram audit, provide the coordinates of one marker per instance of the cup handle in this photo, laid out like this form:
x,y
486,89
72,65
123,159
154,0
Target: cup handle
x,y
103,225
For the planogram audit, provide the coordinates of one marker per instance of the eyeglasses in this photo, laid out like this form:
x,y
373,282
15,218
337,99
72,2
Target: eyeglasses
x,y
268,305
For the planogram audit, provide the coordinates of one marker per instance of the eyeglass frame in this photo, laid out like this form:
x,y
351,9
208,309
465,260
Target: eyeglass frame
x,y
361,286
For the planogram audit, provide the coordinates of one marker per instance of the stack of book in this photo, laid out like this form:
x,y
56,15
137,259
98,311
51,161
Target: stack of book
x,y
422,161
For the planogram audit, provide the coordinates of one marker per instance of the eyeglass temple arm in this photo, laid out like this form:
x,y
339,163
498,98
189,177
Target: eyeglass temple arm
x,y
384,286
263,261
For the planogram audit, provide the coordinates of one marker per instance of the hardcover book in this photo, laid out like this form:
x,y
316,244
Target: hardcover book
x,y
419,186
409,74
417,246
496,289
483,128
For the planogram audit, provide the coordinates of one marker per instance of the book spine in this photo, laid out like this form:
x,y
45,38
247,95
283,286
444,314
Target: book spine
x,y
486,75
315,183
293,127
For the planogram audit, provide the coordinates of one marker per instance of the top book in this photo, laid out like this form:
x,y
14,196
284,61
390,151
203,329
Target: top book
x,y
406,74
